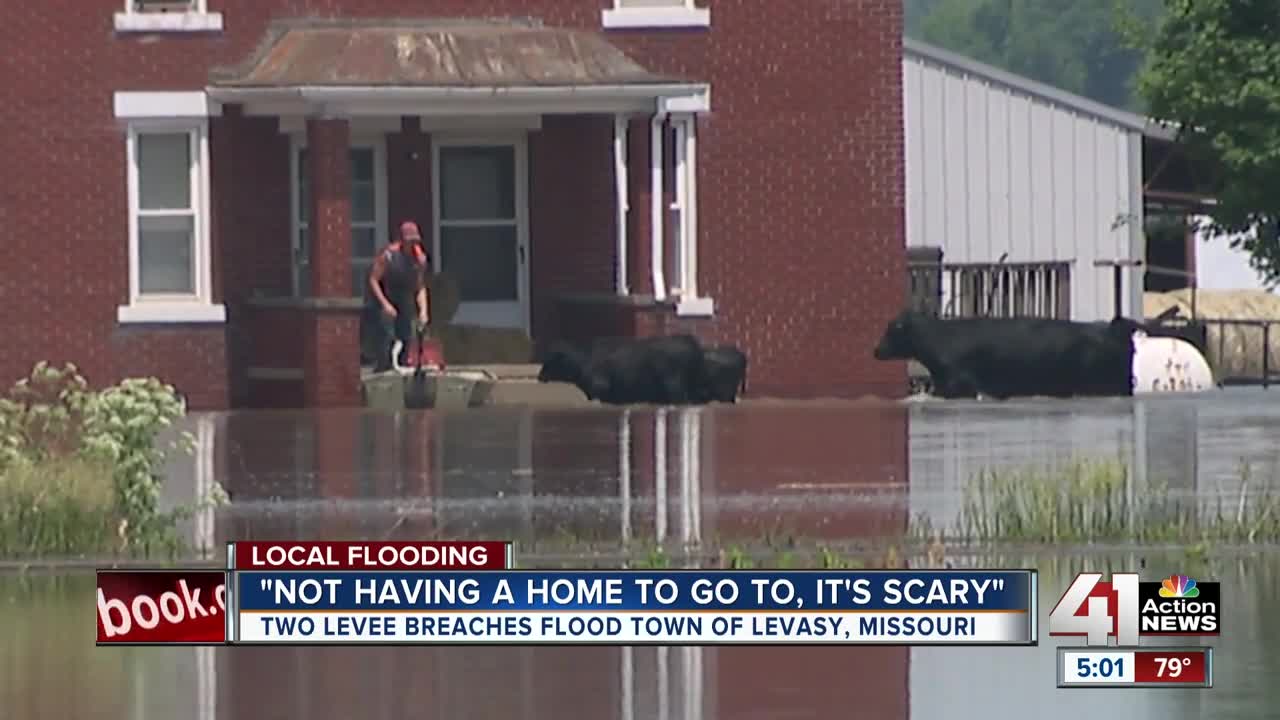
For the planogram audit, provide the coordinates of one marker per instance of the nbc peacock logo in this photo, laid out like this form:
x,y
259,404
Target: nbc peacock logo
x,y
1179,586
1179,605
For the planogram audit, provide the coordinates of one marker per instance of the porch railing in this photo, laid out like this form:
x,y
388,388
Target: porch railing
x,y
999,289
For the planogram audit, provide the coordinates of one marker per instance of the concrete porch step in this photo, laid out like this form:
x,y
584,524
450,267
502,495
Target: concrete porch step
x,y
509,391
501,371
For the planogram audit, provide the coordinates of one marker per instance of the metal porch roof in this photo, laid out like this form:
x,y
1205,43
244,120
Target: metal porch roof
x,y
436,53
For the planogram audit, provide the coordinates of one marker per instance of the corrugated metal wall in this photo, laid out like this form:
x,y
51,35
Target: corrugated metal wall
x,y
992,170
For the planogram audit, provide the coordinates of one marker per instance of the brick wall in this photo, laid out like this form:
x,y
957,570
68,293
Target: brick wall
x,y
571,213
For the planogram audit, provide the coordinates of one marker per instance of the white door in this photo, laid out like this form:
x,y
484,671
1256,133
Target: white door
x,y
481,237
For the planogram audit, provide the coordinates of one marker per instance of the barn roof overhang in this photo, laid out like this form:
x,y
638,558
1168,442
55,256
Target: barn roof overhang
x,y
417,67
1174,181
1026,86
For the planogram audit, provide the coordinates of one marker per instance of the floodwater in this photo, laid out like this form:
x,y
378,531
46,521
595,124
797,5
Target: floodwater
x,y
586,482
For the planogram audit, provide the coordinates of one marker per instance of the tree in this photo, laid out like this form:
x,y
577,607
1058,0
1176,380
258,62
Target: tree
x,y
1074,45
1213,69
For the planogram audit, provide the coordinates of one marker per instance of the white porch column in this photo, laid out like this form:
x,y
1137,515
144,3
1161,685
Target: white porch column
x,y
677,207
621,124
657,212
689,156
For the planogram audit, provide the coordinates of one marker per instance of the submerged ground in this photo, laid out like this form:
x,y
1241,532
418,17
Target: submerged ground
x,y
763,483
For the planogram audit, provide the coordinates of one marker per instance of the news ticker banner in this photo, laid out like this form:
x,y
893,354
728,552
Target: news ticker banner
x,y
1143,667
619,607
466,593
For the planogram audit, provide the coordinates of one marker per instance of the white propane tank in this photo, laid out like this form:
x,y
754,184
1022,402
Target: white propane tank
x,y
1167,364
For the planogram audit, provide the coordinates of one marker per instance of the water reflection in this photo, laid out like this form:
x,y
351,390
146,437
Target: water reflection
x,y
675,476
689,475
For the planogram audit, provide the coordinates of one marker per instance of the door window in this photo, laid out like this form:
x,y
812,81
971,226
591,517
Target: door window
x,y
478,225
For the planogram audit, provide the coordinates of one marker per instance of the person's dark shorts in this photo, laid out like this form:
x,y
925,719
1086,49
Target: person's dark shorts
x,y
378,334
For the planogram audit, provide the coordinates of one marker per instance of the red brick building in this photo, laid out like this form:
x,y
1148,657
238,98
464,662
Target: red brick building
x,y
218,174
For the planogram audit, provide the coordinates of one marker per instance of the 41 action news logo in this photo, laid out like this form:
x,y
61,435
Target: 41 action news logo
x,y
1126,608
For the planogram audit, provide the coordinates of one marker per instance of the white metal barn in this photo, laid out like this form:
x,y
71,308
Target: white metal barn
x,y
999,166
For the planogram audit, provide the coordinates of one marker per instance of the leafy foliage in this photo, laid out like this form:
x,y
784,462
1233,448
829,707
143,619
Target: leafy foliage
x,y
63,445
1213,66
1077,46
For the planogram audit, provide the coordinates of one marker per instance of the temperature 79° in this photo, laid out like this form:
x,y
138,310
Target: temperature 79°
x,y
1171,667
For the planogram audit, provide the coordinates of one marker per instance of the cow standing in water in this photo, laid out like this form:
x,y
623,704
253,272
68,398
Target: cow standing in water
x,y
674,370
725,374
1014,357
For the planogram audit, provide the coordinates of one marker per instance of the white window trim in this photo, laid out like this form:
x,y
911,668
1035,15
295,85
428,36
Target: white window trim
x,y
679,14
377,142
198,19
482,313
187,112
685,206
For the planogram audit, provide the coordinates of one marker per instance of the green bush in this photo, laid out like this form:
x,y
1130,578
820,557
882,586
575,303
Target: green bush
x,y
82,459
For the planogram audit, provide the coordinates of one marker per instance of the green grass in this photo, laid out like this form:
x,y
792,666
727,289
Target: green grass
x,y
63,507
1097,502
1092,504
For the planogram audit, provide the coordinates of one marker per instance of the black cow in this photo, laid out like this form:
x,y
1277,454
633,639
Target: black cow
x,y
726,374
1014,357
661,370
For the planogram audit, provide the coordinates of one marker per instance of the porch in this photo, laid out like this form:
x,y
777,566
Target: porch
x,y
554,180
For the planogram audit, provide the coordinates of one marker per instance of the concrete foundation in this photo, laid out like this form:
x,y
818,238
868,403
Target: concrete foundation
x,y
464,386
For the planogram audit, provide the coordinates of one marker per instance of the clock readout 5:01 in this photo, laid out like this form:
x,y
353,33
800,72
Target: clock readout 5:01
x,y
1099,667
1153,667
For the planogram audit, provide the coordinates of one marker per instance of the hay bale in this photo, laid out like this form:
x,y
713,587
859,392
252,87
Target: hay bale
x,y
1233,351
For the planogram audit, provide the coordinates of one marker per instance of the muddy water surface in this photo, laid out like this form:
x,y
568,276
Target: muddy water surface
x,y
712,477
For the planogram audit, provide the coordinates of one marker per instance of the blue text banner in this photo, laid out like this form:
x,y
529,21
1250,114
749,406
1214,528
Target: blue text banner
x,y
621,590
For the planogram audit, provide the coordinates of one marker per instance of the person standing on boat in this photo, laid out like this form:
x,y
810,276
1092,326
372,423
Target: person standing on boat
x,y
395,295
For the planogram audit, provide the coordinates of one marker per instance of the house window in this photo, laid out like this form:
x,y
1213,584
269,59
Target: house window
x,y
166,213
167,16
656,13
368,214
169,248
